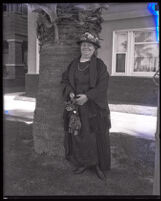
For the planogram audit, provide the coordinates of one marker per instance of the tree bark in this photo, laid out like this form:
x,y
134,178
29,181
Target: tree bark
x,y
54,58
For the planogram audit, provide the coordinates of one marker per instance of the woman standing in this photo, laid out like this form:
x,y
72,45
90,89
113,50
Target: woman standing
x,y
85,83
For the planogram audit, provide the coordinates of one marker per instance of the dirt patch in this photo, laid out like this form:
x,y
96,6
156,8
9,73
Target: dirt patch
x,y
30,174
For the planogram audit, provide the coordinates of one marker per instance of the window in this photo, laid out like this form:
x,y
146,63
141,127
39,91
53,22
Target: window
x,y
121,39
135,52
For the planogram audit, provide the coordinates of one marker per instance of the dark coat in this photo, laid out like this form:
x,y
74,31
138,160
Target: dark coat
x,y
99,78
97,95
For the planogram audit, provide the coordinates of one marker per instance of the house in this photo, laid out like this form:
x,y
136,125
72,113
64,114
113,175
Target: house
x,y
131,51
129,48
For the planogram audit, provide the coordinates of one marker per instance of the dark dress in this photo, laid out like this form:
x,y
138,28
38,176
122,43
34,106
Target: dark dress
x,y
91,146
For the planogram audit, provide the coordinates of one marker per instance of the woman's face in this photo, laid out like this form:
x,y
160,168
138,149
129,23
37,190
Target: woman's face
x,y
87,49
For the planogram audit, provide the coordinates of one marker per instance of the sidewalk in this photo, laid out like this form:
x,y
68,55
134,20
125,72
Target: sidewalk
x,y
136,120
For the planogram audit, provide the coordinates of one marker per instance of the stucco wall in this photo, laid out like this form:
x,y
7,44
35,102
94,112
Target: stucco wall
x,y
132,90
127,89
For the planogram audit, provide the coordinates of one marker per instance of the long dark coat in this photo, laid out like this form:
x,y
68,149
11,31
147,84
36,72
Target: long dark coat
x,y
92,146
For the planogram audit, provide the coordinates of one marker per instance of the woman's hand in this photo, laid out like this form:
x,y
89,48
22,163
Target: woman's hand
x,y
82,98
72,95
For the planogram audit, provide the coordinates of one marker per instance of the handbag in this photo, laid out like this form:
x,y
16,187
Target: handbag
x,y
74,123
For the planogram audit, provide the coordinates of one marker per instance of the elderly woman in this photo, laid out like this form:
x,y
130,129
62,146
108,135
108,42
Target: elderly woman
x,y
87,114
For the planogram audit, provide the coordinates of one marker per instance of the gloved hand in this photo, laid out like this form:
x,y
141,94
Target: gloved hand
x,y
71,95
82,98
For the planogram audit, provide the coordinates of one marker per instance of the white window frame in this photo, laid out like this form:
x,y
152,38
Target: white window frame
x,y
114,56
129,62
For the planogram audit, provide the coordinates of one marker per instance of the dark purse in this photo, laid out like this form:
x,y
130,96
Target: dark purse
x,y
74,123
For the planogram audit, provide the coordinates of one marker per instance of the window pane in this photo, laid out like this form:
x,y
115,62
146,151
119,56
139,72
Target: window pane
x,y
146,58
120,62
145,36
146,50
121,42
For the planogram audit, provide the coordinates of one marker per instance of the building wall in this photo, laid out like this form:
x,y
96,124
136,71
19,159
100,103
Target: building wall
x,y
127,89
14,25
15,52
15,29
132,90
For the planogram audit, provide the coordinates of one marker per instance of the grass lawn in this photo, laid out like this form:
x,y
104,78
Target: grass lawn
x,y
27,173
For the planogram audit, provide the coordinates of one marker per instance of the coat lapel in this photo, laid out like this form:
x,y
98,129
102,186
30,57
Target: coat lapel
x,y
93,71
72,71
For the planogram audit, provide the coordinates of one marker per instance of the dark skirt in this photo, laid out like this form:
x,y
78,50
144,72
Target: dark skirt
x,y
92,145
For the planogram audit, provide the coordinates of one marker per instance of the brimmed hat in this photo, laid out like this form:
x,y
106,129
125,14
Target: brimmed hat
x,y
88,37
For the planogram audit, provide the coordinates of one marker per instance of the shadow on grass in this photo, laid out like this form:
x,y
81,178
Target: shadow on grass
x,y
29,174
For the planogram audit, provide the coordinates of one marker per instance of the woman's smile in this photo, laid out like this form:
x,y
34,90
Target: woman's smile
x,y
86,51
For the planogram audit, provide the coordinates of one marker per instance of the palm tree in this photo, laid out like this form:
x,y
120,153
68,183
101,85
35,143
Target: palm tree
x,y
58,29
50,15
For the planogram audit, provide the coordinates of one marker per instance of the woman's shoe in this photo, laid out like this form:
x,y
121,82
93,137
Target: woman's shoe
x,y
100,174
80,170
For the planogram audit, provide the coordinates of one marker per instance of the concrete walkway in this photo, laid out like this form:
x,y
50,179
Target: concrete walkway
x,y
139,121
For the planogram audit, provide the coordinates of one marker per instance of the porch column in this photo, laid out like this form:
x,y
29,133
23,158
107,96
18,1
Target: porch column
x,y
33,50
32,75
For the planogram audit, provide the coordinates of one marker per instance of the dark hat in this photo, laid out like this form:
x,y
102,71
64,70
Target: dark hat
x,y
90,38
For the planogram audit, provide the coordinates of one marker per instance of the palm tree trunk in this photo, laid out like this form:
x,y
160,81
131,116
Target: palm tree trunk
x,y
54,59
